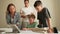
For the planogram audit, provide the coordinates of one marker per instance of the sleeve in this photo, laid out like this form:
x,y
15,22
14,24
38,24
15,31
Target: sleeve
x,y
36,24
7,19
37,16
47,13
18,18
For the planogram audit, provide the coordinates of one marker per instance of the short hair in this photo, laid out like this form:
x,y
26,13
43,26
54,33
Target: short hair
x,y
26,0
11,4
55,30
37,3
32,16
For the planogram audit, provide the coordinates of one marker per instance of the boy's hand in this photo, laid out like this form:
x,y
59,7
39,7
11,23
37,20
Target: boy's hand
x,y
50,30
25,29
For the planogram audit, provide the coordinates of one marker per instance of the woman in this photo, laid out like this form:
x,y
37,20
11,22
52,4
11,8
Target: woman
x,y
12,16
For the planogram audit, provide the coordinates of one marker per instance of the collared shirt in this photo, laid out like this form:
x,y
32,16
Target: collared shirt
x,y
33,25
14,20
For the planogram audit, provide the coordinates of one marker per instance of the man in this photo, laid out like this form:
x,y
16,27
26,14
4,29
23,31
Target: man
x,y
43,15
25,12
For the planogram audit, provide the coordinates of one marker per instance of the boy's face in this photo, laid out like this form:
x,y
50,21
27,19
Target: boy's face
x,y
31,20
38,8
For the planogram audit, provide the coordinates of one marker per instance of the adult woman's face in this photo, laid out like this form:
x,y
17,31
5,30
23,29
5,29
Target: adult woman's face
x,y
12,9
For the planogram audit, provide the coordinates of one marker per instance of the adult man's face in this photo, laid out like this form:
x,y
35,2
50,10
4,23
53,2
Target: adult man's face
x,y
26,3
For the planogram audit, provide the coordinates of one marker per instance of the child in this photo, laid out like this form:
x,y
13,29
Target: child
x,y
43,15
31,24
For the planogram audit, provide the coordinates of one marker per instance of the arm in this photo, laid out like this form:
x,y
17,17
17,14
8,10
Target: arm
x,y
22,14
7,19
48,21
48,17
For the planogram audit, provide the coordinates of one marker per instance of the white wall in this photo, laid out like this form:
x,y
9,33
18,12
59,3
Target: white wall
x,y
57,13
52,5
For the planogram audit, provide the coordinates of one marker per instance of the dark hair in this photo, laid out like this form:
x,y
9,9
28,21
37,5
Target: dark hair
x,y
26,0
8,11
37,3
32,16
55,30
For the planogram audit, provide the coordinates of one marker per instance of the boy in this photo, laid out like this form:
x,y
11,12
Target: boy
x,y
31,24
43,15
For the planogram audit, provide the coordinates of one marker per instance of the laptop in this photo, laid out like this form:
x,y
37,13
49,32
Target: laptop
x,y
8,27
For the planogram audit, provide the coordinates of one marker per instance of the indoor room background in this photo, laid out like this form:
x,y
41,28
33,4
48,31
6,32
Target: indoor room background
x,y
52,5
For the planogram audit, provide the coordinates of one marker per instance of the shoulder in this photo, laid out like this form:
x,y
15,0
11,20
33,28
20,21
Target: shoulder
x,y
23,8
17,14
35,22
31,7
7,14
45,8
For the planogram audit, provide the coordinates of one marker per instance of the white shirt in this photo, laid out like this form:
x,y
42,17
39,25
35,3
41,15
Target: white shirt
x,y
27,10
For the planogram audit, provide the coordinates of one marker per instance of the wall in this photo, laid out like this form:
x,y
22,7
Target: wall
x,y
52,5
57,13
